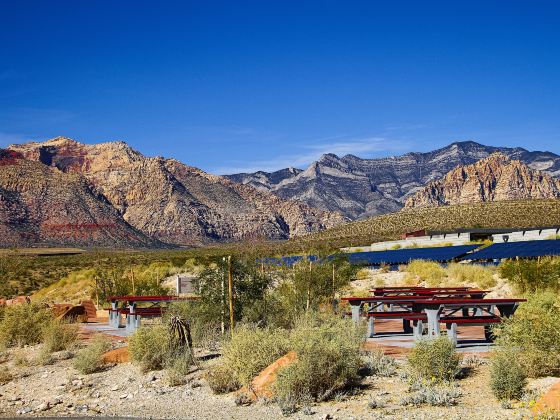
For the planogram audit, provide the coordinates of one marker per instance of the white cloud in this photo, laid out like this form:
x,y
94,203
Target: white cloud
x,y
308,153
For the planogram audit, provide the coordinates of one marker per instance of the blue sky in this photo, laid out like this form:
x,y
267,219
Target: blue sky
x,y
234,86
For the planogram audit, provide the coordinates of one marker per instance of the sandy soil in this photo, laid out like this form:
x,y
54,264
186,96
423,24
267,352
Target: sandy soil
x,y
122,390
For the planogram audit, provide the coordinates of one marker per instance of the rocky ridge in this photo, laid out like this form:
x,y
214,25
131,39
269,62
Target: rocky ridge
x,y
173,202
495,178
359,188
42,205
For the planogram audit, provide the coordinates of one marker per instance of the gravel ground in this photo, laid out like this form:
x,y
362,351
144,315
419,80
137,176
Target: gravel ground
x,y
58,390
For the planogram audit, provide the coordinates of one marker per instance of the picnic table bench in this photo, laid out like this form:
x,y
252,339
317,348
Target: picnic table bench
x,y
133,313
415,308
438,311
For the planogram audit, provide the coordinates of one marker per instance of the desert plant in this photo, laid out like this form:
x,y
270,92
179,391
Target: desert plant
x,y
178,367
376,363
533,275
328,360
58,336
90,358
427,271
443,395
460,274
434,360
150,347
252,349
507,376
534,334
24,324
221,379
5,376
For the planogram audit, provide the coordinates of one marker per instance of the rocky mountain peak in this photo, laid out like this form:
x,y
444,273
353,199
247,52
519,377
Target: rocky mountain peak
x,y
494,178
174,203
360,188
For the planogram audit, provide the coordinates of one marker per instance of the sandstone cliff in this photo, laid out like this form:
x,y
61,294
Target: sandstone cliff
x,y
42,205
495,178
175,203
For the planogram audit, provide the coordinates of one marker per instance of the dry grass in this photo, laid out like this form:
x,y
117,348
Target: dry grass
x,y
424,271
463,274
504,214
90,359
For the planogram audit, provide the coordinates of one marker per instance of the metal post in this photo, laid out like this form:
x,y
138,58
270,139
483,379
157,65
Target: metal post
x,y
355,306
223,303
370,329
230,287
433,322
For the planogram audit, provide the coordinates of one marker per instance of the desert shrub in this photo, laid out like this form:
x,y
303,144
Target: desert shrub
x,y
534,334
203,321
328,360
442,395
252,349
507,376
376,363
5,376
221,379
460,274
424,271
150,347
384,268
90,359
363,274
24,324
153,348
20,359
58,336
434,360
533,275
177,368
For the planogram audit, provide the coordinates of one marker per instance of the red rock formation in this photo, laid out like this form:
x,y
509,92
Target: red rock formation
x,y
495,178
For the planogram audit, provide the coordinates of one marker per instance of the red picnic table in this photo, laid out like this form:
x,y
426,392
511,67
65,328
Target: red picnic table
x,y
401,306
133,313
436,311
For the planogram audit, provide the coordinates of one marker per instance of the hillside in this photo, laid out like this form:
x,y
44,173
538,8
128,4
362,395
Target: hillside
x,y
506,214
495,178
360,188
41,205
175,203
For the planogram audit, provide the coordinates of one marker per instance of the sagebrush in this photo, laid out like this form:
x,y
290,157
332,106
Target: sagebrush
x,y
90,359
434,360
534,335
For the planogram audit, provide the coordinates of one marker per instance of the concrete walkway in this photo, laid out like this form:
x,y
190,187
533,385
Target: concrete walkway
x,y
104,328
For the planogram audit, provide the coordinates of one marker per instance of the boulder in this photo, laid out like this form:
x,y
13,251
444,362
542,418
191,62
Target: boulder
x,y
120,355
549,402
263,384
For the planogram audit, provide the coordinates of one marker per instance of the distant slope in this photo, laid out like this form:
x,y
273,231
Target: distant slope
x,y
360,188
176,203
41,205
504,214
495,178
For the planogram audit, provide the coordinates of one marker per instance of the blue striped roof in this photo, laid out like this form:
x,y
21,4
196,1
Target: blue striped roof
x,y
523,249
404,256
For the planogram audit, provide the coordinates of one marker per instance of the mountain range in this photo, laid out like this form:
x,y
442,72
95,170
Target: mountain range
x,y
62,192
359,188
53,188
495,178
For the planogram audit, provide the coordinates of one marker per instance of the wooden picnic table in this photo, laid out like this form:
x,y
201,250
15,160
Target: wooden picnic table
x,y
439,311
133,313
404,305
